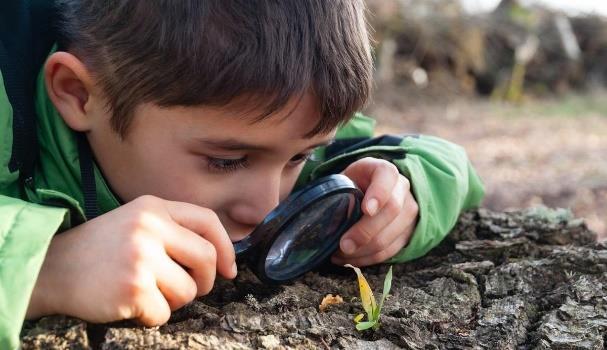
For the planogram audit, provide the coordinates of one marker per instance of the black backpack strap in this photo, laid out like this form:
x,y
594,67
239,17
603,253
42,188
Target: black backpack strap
x,y
26,36
343,146
16,65
87,174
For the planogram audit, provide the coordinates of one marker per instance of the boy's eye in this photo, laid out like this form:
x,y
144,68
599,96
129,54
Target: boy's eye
x,y
226,165
300,158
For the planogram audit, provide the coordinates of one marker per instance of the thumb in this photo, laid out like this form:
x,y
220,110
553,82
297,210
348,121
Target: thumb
x,y
376,178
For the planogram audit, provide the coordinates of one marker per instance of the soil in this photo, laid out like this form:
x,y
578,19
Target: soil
x,y
501,280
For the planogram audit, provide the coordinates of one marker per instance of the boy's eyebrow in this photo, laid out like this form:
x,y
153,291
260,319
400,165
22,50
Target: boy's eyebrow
x,y
235,145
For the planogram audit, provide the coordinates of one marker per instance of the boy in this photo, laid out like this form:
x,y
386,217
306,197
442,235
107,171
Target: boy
x,y
176,127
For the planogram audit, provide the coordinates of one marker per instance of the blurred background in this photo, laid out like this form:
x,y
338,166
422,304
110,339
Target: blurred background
x,y
522,85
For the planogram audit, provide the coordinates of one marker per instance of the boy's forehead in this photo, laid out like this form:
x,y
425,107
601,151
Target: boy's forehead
x,y
299,110
233,127
299,116
277,131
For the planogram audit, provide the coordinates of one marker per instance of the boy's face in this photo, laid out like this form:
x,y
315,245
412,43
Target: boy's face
x,y
217,158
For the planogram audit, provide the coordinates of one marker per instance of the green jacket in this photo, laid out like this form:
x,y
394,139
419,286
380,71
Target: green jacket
x,y
442,179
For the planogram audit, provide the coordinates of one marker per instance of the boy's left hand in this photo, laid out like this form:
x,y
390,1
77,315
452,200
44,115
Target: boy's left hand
x,y
390,214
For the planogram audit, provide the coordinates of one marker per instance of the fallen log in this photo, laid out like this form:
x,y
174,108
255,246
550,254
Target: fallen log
x,y
517,280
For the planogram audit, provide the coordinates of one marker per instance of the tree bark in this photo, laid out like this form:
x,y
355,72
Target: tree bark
x,y
532,279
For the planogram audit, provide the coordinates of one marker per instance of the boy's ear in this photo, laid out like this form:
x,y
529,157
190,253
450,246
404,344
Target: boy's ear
x,y
69,86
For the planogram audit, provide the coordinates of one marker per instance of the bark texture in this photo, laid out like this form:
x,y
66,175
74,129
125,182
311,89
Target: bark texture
x,y
533,279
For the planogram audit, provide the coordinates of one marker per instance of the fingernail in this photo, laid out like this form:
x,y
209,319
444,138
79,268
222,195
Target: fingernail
x,y
372,206
348,246
234,269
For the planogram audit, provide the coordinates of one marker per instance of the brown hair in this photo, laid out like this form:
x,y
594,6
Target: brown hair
x,y
209,52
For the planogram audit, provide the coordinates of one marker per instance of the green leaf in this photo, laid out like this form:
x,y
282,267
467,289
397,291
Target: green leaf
x,y
365,325
375,315
386,291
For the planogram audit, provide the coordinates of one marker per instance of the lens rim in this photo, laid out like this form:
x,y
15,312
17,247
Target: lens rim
x,y
254,248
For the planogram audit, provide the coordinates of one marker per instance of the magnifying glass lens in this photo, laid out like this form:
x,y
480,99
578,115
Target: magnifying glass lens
x,y
310,236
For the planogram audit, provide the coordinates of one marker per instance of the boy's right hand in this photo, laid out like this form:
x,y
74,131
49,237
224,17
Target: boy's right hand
x,y
139,262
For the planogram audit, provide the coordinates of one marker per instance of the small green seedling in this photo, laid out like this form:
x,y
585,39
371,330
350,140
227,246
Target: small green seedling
x,y
368,300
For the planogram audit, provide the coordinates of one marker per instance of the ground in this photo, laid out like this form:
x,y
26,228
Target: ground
x,y
522,280
551,151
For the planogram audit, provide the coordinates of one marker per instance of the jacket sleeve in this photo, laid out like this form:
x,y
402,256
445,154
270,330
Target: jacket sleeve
x,y
442,179
444,184
26,230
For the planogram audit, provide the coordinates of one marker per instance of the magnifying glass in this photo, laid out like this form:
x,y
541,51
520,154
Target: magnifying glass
x,y
303,231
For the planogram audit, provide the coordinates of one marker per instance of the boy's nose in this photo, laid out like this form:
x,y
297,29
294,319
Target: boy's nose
x,y
253,206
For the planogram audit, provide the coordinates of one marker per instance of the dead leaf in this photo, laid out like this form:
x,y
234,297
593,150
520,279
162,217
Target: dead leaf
x,y
330,300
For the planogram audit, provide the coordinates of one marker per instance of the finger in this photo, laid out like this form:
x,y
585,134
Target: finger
x,y
368,227
205,223
177,286
404,223
154,310
375,258
195,253
377,178
396,232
